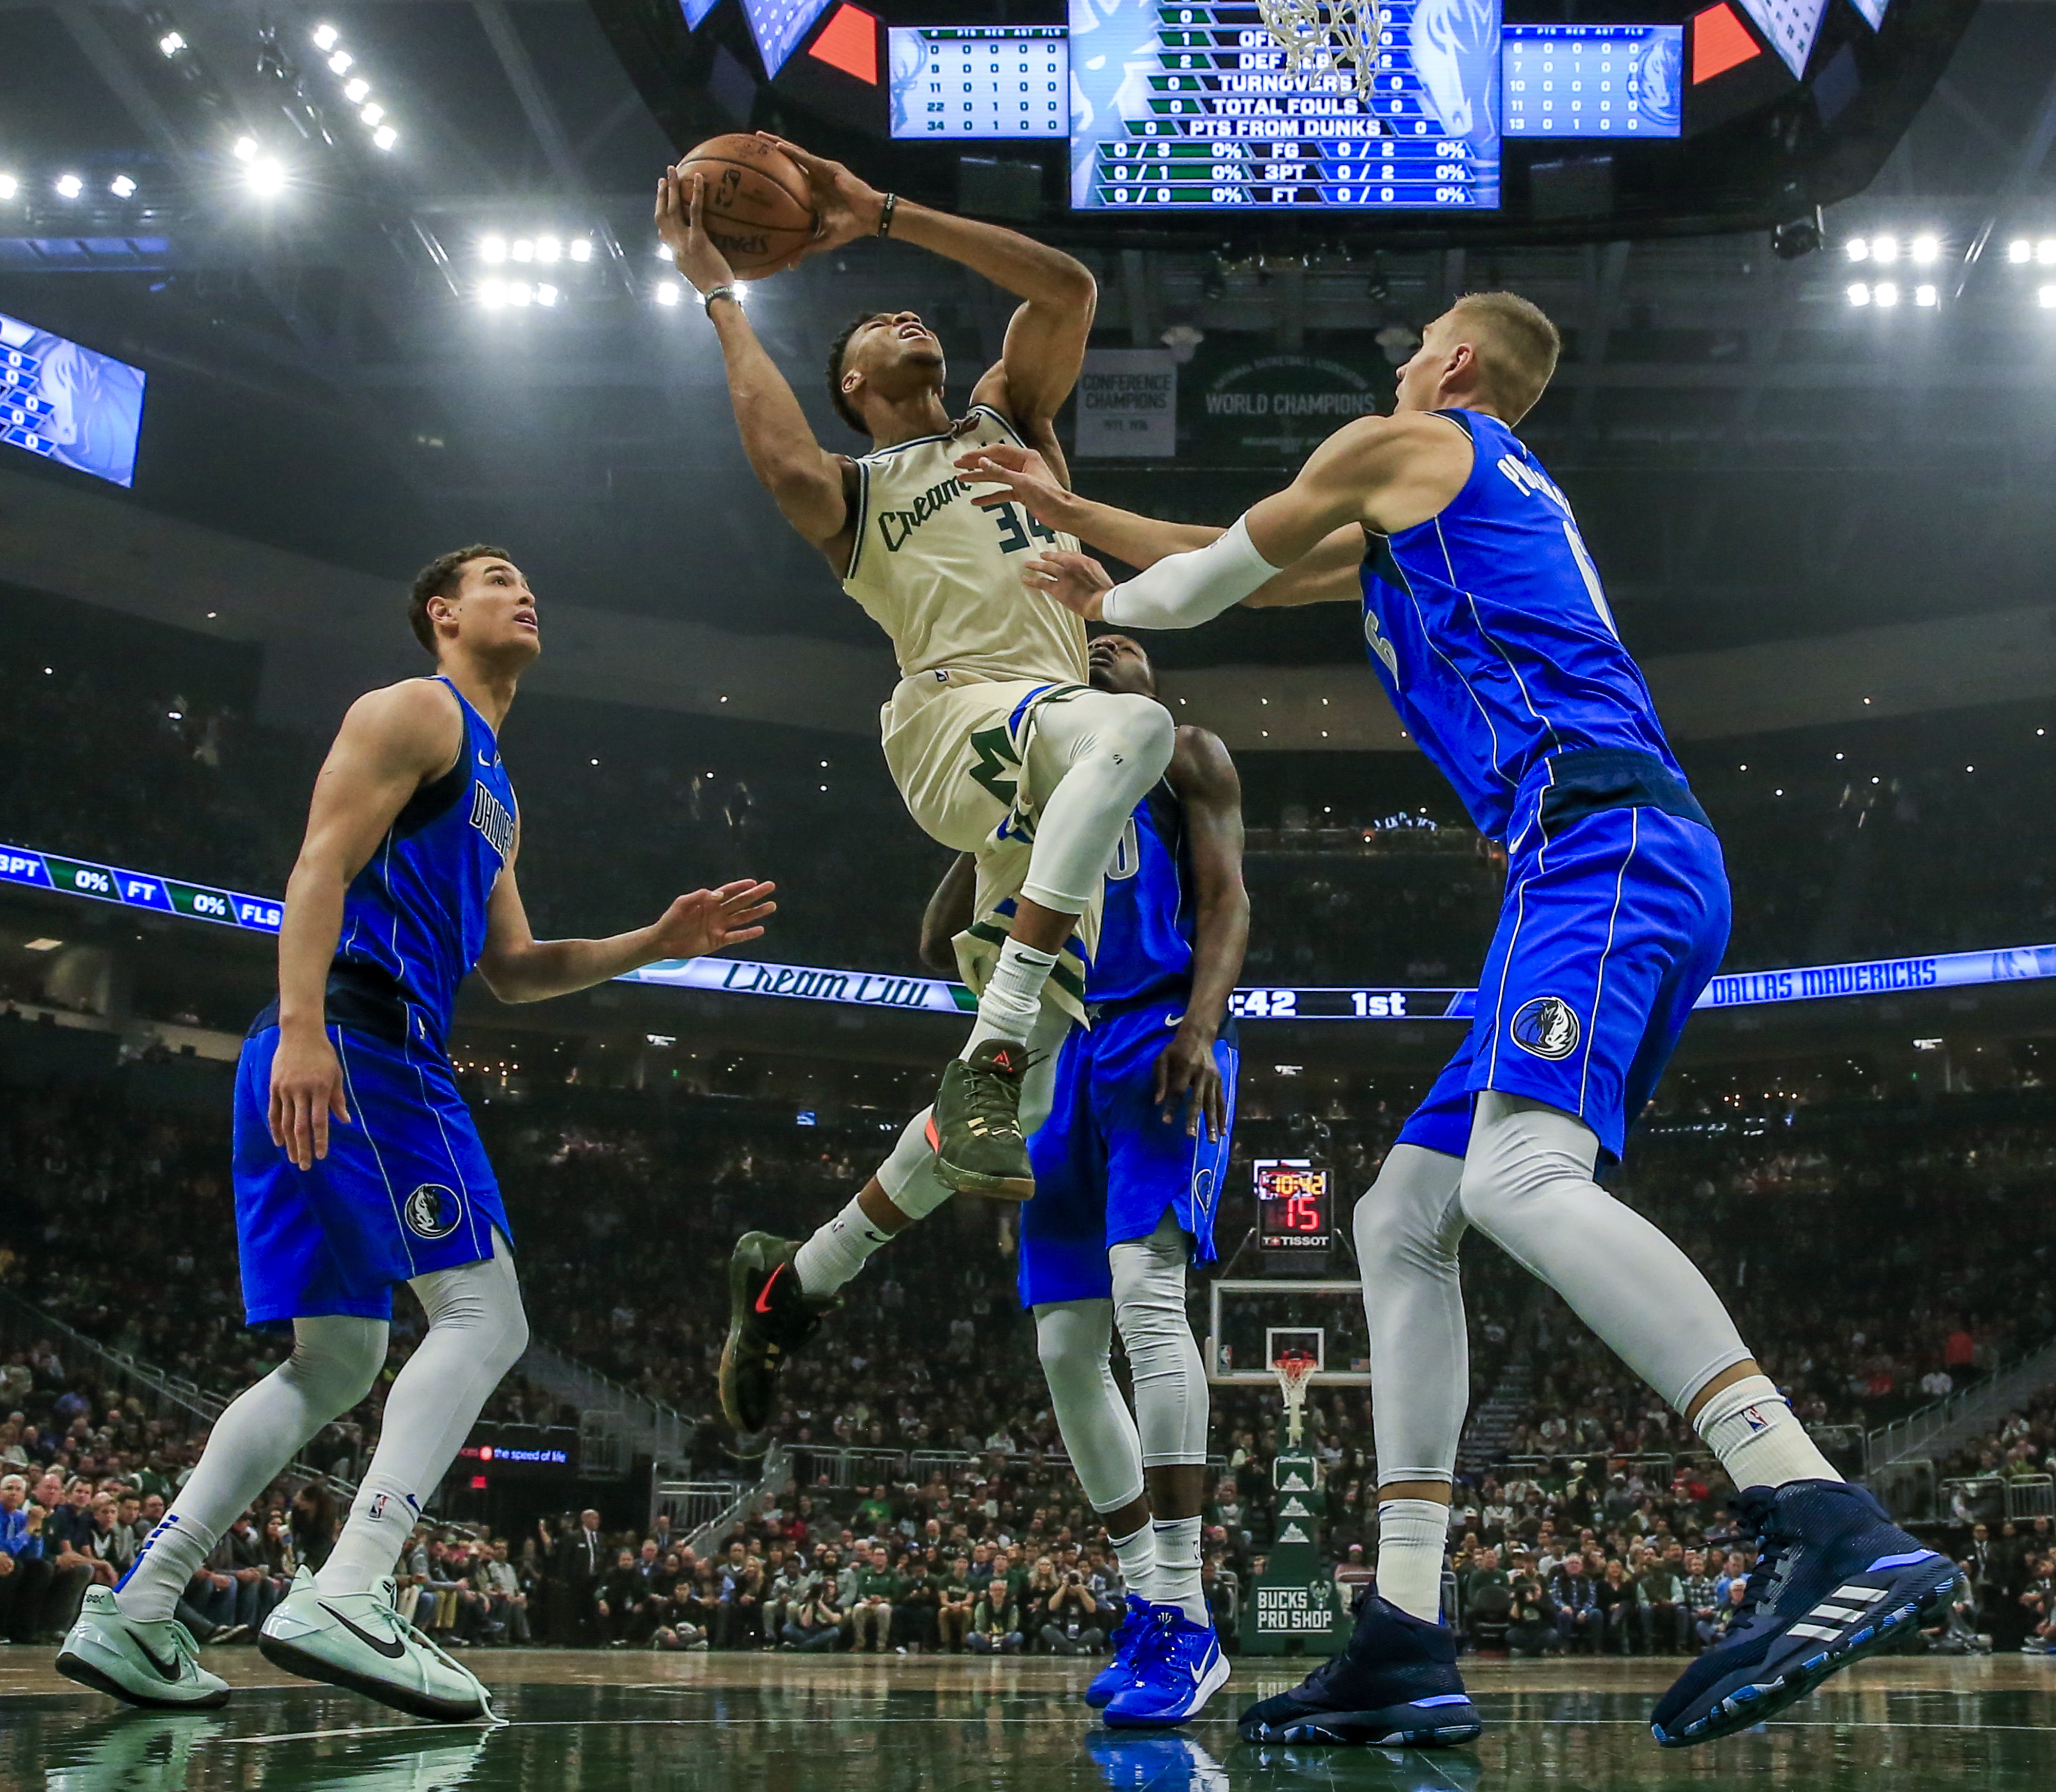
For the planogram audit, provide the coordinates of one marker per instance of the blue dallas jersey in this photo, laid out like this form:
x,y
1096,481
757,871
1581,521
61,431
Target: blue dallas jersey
x,y
1489,629
1145,935
417,910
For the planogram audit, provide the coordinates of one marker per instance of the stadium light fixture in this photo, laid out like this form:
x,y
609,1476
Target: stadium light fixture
x,y
1859,293
342,62
169,44
121,186
492,293
385,136
8,186
2019,250
2045,251
326,36
1927,296
518,293
547,296
492,250
1858,248
667,292
372,113
266,176
522,248
70,186
548,249
357,90
1926,249
246,149
1884,250
2046,298
1885,294
581,249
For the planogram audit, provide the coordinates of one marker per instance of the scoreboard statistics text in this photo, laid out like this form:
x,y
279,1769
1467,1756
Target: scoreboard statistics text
x,y
1192,105
1006,80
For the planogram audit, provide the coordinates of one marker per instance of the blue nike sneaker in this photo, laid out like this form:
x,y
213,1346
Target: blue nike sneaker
x,y
1155,1763
1178,1669
1834,1580
1395,1686
1128,1636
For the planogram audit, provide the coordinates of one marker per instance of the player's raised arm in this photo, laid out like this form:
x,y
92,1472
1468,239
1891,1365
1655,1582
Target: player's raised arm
x,y
1046,340
804,479
1380,473
518,967
390,743
1019,475
1188,1075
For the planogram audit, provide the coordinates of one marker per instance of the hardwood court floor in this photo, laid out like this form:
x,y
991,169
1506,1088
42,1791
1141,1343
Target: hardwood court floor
x,y
634,1722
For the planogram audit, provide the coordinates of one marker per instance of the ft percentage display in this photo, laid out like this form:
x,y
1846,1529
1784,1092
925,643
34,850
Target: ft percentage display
x,y
1196,106
1292,1207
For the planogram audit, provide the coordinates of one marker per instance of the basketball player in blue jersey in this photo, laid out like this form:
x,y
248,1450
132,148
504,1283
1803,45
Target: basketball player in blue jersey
x,y
358,1166
1487,626
1128,1166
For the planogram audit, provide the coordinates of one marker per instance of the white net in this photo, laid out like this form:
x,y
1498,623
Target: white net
x,y
1319,35
1295,1375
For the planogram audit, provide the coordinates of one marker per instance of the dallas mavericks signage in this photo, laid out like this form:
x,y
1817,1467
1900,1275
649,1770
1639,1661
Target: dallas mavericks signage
x,y
739,976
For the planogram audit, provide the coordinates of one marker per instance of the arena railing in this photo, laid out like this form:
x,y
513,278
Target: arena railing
x,y
615,1423
23,1323
2031,1496
1907,1489
2011,1382
1978,1499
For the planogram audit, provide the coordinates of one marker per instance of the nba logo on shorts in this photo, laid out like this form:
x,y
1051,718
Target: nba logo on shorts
x,y
1547,1027
431,1211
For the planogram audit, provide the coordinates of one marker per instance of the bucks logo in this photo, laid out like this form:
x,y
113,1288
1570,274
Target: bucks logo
x,y
1547,1027
431,1211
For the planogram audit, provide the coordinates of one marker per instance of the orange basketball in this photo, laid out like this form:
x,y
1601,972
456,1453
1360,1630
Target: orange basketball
x,y
756,204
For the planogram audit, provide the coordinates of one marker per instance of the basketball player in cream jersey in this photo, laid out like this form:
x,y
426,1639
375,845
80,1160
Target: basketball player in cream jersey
x,y
996,741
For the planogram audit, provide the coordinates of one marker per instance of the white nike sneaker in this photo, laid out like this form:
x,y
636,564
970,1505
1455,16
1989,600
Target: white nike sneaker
x,y
359,1640
154,1665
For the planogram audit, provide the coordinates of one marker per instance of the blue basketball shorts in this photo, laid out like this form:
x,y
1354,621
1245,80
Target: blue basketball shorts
x,y
1109,1164
1612,926
405,1189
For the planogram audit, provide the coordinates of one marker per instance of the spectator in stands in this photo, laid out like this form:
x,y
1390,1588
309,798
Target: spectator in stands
x,y
915,1613
1659,1604
957,1600
25,1580
877,1590
813,1622
1614,1596
581,1560
1579,1621
1533,1630
619,1591
741,1623
1071,1621
1352,1574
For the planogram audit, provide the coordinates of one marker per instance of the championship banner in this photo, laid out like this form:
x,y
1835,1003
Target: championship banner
x,y
748,977
1127,405
1267,408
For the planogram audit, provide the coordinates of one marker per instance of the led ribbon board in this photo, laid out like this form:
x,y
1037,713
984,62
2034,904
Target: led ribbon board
x,y
64,876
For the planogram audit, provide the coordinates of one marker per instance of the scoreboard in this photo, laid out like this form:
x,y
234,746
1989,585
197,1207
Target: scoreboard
x,y
1293,1209
1193,106
980,81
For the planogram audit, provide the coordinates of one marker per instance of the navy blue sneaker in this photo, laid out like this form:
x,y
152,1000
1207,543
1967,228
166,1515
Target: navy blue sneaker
x,y
1178,1669
1834,1580
1129,1636
1396,1686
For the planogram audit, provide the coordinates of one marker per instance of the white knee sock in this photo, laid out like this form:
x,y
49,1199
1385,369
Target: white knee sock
x,y
1178,1568
476,1332
1013,998
1136,1553
1073,1339
1408,1227
1750,1426
1090,760
335,1361
1528,1185
1170,1378
1412,1536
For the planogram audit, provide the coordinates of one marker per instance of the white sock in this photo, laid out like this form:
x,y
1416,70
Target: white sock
x,y
1750,1426
1013,996
1412,1536
1136,1553
476,1332
334,1360
1178,1568
838,1250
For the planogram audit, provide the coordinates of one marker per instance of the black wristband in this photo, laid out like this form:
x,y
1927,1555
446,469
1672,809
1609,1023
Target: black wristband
x,y
723,291
885,214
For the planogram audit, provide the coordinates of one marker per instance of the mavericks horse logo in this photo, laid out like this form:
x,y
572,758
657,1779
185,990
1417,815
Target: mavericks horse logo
x,y
431,1211
1547,1027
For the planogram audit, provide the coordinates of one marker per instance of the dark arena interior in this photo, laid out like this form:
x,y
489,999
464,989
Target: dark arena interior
x,y
1754,1365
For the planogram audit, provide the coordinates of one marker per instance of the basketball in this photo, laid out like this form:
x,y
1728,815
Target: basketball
x,y
757,210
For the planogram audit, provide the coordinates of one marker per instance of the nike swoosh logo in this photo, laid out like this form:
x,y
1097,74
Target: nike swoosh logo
x,y
485,762
168,1669
392,1651
763,1293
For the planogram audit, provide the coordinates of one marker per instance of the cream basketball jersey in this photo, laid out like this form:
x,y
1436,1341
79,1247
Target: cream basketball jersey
x,y
942,578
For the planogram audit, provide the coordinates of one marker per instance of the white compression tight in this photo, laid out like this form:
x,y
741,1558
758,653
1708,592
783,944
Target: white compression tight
x,y
335,1361
477,1331
1091,759
1109,1446
1526,1183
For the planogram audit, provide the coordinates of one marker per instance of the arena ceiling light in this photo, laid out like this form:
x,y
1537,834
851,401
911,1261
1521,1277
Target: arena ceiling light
x,y
122,187
2046,298
69,185
668,292
356,89
170,44
9,186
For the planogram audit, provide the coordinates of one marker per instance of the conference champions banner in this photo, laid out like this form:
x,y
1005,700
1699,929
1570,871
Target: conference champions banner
x,y
743,977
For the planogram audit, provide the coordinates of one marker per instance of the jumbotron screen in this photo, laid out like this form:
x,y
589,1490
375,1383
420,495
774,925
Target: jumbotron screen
x,y
1529,120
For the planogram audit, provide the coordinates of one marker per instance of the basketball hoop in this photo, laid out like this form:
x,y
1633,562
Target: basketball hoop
x,y
1323,34
1295,1371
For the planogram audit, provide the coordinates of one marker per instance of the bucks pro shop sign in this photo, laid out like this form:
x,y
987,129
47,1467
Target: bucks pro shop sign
x,y
1275,407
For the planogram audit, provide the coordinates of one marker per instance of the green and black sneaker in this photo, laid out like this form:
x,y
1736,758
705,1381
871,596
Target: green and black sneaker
x,y
767,1319
975,1129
